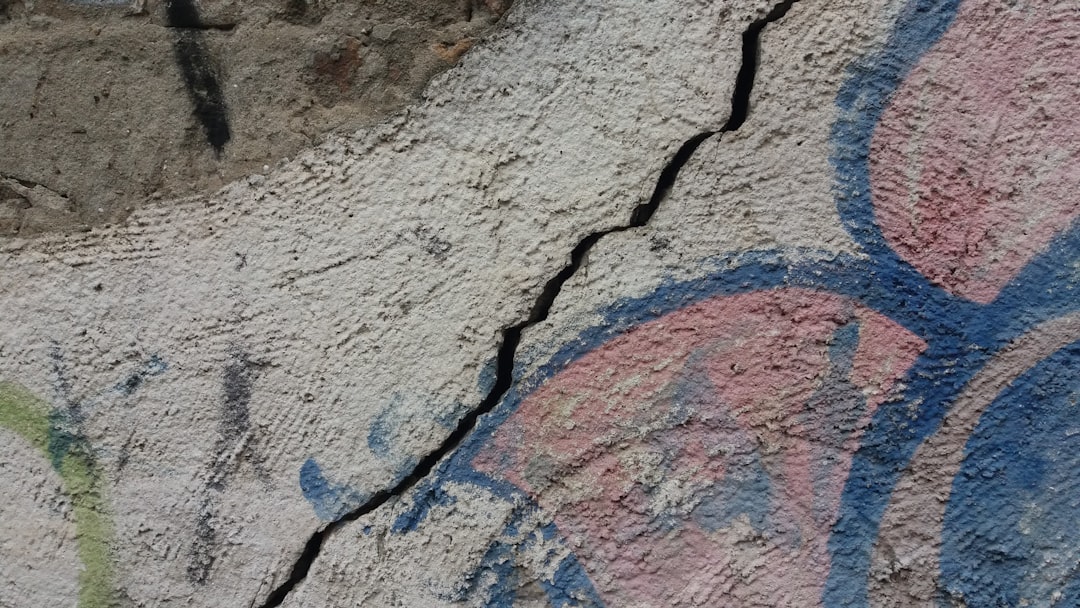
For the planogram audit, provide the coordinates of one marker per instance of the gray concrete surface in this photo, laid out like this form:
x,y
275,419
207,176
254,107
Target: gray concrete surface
x,y
639,304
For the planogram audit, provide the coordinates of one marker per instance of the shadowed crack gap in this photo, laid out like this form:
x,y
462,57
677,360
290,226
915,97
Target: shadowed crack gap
x,y
740,106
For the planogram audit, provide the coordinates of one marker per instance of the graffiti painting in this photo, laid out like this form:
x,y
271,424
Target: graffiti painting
x,y
810,428
29,418
57,434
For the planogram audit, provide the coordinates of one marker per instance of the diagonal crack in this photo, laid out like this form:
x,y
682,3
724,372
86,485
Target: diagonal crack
x,y
740,108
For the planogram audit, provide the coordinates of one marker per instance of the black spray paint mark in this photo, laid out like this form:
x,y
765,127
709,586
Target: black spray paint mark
x,y
198,71
233,431
154,366
235,420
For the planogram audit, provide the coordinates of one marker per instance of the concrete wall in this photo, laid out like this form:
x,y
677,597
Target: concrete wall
x,y
658,303
112,105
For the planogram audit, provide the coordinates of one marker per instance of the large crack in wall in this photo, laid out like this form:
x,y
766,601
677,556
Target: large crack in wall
x,y
640,216
402,251
553,337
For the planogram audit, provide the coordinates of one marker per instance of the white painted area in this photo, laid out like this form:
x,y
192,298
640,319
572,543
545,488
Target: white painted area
x,y
39,563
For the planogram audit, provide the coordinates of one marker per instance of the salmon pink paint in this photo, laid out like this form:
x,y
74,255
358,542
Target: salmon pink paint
x,y
975,164
727,424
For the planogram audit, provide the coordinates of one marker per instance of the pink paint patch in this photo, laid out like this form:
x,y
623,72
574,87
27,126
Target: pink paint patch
x,y
698,459
877,363
975,164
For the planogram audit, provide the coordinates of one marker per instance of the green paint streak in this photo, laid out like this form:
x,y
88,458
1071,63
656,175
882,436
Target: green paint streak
x,y
29,417
24,414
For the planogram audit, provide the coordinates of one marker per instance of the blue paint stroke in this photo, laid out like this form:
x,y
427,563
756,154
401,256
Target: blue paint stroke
x,y
570,585
329,500
961,337
154,366
385,427
332,501
1010,531
66,423
745,490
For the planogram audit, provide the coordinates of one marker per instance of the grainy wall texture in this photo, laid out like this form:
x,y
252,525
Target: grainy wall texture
x,y
109,105
642,303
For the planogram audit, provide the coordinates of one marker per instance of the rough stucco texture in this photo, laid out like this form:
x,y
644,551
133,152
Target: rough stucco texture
x,y
110,105
835,366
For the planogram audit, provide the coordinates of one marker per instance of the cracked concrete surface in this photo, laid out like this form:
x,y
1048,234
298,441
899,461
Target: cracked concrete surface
x,y
505,363
377,563
400,252
615,315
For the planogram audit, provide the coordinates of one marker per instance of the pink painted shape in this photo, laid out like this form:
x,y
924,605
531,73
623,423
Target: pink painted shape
x,y
975,164
623,444
877,363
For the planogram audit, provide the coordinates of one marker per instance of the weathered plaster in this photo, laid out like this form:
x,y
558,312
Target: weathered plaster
x,y
286,310
643,305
